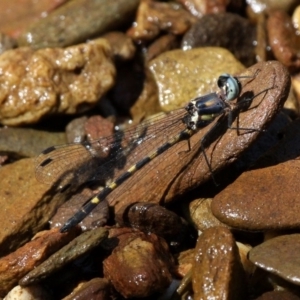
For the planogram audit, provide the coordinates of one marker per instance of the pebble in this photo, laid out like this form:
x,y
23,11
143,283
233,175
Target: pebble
x,y
217,269
261,199
27,142
201,215
183,75
278,295
79,246
156,17
260,6
279,256
122,46
207,32
27,204
152,218
143,262
204,7
15,265
48,81
18,14
96,289
59,28
33,292
284,39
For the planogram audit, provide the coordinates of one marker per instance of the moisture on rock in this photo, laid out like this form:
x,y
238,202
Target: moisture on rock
x,y
48,81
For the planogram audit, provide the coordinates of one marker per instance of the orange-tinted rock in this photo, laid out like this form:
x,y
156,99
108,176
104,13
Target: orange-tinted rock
x,y
262,199
140,265
284,40
23,212
15,265
154,17
76,248
217,270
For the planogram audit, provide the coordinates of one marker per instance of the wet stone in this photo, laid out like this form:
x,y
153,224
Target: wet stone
x,y
261,199
79,246
98,127
217,270
20,142
284,40
260,6
200,8
122,46
143,263
155,17
18,14
149,217
208,32
96,289
48,81
75,131
278,295
183,75
33,292
26,204
15,265
92,17
201,215
279,256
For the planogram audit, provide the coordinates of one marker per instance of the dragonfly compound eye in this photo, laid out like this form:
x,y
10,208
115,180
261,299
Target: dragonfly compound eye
x,y
229,85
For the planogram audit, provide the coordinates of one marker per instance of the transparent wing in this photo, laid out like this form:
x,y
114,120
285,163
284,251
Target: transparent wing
x,y
105,158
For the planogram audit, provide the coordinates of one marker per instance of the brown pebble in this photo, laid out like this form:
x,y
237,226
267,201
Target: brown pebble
x,y
262,199
278,295
154,17
76,248
208,32
217,270
279,256
15,265
284,40
140,265
96,289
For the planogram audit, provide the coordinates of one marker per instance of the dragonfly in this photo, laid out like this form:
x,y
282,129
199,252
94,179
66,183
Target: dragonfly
x,y
137,147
